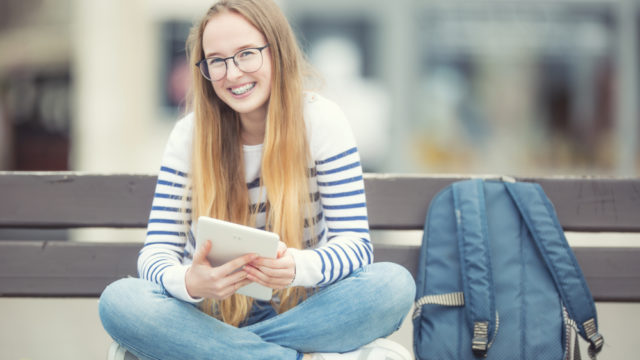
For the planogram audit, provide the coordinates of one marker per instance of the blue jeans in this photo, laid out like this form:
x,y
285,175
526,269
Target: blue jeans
x,y
369,304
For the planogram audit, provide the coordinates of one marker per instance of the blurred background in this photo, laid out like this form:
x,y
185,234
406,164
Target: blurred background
x,y
527,88
510,87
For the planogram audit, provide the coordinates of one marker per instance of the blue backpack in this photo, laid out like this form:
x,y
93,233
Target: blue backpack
x,y
497,279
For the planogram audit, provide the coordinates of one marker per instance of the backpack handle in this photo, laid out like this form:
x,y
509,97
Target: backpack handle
x,y
475,262
542,222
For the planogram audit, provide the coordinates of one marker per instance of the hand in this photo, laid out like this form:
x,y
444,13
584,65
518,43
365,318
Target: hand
x,y
204,281
273,273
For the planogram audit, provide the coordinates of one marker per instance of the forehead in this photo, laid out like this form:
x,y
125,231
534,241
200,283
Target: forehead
x,y
227,32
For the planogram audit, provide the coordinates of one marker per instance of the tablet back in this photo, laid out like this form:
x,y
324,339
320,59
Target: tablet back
x,y
230,240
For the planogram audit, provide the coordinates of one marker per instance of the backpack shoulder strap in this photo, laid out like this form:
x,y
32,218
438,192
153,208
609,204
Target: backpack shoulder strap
x,y
475,262
541,219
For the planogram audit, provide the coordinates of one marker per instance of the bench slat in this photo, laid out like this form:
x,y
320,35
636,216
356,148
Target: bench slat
x,y
62,268
68,200
582,204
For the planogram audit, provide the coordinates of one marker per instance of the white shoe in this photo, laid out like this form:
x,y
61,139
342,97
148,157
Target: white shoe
x,y
380,349
118,352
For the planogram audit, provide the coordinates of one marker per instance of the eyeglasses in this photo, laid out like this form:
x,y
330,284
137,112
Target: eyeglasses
x,y
247,60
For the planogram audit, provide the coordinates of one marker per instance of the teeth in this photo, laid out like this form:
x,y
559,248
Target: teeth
x,y
243,89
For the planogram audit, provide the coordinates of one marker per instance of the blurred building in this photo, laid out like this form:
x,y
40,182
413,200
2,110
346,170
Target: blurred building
x,y
523,88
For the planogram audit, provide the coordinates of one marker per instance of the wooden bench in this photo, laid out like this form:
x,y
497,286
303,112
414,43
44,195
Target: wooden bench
x,y
64,200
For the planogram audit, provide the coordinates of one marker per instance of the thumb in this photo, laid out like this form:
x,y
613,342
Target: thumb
x,y
282,248
201,253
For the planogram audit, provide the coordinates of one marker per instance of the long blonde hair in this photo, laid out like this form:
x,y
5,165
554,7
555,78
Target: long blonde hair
x,y
217,176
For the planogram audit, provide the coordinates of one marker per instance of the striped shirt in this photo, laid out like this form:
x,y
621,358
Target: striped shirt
x,y
341,224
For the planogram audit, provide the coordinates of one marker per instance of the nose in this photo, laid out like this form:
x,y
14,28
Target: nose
x,y
232,70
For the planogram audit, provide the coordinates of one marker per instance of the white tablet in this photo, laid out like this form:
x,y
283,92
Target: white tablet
x,y
230,240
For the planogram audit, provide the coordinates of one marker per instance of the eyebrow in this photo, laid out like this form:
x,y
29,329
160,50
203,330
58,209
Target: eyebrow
x,y
217,54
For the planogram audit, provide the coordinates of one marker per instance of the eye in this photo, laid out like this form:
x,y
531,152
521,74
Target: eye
x,y
246,53
215,62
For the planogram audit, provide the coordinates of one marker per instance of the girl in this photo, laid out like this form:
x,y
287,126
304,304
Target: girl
x,y
258,150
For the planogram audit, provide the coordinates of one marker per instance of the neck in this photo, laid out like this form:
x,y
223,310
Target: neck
x,y
253,129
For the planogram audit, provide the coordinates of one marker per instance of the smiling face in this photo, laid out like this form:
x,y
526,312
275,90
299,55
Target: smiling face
x,y
247,93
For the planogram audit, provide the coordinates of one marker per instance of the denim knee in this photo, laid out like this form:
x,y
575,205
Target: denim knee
x,y
399,282
395,287
115,302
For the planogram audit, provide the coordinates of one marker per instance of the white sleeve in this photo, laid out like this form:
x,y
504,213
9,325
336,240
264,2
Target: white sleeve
x,y
160,259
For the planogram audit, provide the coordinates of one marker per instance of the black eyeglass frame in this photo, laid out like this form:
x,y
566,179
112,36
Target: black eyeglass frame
x,y
226,66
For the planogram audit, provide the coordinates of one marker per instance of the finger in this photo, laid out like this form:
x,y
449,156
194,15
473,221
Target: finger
x,y
240,284
231,290
201,254
280,278
282,248
275,273
233,279
236,263
270,263
269,282
256,276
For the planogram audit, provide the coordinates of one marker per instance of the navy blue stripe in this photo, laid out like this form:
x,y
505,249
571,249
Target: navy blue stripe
x,y
166,221
360,251
367,242
312,172
192,239
169,196
323,266
344,206
314,221
254,184
369,251
343,194
367,246
340,182
151,243
318,237
347,218
145,272
172,184
171,233
340,246
262,207
171,253
168,208
331,265
340,261
348,259
356,254
357,230
342,168
173,171
153,268
164,243
150,269
160,271
339,156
